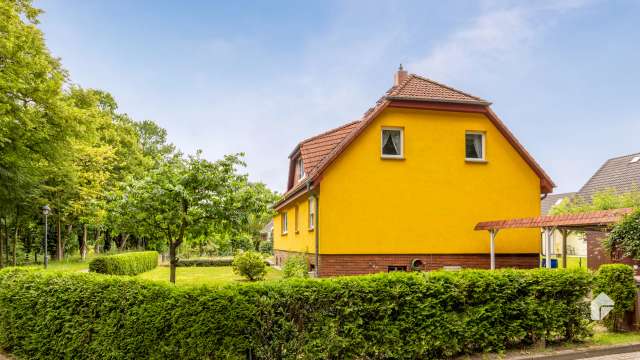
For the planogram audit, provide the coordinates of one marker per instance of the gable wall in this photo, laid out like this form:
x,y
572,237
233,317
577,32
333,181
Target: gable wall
x,y
430,201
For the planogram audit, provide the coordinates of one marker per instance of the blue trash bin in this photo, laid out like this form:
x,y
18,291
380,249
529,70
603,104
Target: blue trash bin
x,y
554,263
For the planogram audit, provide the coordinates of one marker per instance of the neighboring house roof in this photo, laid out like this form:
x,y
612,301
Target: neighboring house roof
x,y
411,91
267,228
551,200
620,173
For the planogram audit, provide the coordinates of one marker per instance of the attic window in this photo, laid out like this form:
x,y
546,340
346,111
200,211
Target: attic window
x,y
392,143
474,146
300,168
635,160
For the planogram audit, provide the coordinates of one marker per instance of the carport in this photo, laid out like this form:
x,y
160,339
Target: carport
x,y
566,223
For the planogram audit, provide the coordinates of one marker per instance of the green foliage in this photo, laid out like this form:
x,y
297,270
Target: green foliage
x,y
266,247
125,264
602,200
385,316
618,282
250,264
205,262
295,267
625,236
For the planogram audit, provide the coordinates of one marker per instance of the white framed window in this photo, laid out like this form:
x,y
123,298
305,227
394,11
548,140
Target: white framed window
x,y
297,213
285,223
392,143
312,213
300,167
474,146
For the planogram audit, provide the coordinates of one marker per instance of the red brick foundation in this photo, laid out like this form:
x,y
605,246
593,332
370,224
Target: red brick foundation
x,y
597,255
333,265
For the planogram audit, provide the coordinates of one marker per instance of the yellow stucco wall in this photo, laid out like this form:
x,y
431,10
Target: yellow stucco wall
x,y
302,240
427,203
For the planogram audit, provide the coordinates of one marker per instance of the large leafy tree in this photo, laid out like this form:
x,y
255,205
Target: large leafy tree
x,y
185,193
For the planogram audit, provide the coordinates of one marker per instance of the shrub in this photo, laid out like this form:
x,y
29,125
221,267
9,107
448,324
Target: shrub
x,y
250,264
617,281
132,263
266,247
226,261
400,315
295,266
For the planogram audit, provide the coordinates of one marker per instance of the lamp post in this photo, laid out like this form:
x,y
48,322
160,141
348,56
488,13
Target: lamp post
x,y
45,211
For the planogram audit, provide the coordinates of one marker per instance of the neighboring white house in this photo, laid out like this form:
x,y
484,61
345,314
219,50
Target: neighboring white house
x,y
576,242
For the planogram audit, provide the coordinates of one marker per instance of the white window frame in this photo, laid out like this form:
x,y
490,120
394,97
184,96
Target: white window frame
x,y
301,174
312,213
484,146
386,156
285,223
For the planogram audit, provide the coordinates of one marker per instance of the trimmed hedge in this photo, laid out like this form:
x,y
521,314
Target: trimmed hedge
x,y
205,262
51,315
132,263
618,282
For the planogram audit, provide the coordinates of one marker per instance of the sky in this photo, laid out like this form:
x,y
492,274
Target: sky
x,y
258,77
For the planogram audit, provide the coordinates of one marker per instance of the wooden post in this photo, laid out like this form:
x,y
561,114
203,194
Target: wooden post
x,y
565,234
492,234
547,235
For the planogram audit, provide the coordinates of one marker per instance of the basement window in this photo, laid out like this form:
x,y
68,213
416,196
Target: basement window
x,y
474,146
392,143
393,268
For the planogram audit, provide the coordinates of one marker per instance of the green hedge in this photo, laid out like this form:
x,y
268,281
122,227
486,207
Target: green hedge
x,y
205,262
50,315
132,263
618,282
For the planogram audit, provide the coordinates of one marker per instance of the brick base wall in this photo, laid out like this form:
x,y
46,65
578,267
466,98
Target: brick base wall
x,y
597,255
333,265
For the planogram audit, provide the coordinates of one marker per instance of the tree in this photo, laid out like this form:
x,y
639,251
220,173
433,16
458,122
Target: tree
x,y
184,193
624,238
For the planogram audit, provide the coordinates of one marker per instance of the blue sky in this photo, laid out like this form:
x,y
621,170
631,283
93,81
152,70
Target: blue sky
x,y
257,77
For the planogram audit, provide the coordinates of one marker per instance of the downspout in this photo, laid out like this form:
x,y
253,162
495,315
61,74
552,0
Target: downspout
x,y
316,227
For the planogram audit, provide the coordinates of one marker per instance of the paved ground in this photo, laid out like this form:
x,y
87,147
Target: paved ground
x,y
628,356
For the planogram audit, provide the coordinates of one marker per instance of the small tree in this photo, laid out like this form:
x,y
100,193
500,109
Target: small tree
x,y
250,264
617,281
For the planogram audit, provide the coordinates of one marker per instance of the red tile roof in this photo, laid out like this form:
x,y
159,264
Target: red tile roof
x,y
416,87
595,218
316,148
319,151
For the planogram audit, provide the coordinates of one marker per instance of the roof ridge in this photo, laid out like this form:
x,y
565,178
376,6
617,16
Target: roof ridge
x,y
622,156
329,131
397,88
449,87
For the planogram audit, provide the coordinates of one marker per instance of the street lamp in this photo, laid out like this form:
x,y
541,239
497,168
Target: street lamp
x,y
45,211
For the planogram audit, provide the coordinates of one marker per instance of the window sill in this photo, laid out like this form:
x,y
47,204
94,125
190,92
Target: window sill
x,y
476,161
297,231
284,233
311,229
392,157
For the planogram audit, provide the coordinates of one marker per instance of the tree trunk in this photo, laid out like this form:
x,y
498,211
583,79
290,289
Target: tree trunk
x,y
14,251
123,242
83,243
173,261
3,233
59,242
97,236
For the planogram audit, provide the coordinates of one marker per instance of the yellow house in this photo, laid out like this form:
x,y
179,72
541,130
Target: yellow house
x,y
404,187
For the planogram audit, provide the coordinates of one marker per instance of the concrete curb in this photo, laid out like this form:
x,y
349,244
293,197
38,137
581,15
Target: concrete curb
x,y
577,354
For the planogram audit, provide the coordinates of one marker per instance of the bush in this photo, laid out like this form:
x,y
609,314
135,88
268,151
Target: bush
x,y
266,247
400,315
132,263
250,264
618,282
295,266
226,261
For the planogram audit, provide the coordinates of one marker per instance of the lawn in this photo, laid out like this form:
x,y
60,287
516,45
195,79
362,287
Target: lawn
x,y
191,276
71,264
572,261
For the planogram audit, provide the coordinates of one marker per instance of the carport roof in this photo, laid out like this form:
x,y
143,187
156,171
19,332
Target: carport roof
x,y
580,221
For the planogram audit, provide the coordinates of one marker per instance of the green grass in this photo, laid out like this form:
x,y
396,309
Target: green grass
x,y
193,276
71,264
611,338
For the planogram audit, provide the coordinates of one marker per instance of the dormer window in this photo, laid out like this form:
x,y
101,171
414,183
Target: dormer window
x,y
300,168
392,143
